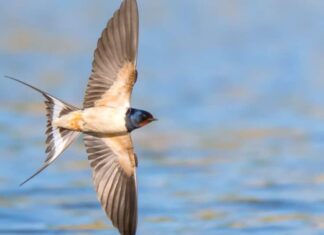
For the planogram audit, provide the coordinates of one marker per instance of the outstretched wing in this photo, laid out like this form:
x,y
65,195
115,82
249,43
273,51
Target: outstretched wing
x,y
114,65
113,165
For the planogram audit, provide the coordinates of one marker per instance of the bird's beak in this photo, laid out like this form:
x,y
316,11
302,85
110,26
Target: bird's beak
x,y
154,119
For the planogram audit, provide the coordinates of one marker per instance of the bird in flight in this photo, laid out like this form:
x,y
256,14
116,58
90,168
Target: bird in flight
x,y
106,119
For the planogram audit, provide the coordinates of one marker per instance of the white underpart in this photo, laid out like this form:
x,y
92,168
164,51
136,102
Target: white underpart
x,y
107,120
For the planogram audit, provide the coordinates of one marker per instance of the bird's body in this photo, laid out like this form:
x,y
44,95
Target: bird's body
x,y
106,119
103,120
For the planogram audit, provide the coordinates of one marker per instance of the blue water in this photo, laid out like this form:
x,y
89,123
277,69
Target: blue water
x,y
238,90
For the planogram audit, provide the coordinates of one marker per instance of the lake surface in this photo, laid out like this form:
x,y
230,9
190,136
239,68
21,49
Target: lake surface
x,y
238,87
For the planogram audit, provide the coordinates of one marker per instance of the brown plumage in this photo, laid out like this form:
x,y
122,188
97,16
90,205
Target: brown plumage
x,y
114,65
113,162
111,82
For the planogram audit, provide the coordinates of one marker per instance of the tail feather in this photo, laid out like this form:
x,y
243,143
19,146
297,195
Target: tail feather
x,y
57,139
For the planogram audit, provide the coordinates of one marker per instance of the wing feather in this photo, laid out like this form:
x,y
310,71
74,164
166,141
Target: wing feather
x,y
114,175
114,65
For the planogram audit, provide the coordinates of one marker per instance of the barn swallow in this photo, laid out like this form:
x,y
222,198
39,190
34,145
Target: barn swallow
x,y
106,119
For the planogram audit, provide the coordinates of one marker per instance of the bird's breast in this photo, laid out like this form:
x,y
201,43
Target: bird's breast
x,y
104,120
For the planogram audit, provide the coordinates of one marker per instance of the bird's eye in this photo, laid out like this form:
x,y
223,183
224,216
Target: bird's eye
x,y
143,117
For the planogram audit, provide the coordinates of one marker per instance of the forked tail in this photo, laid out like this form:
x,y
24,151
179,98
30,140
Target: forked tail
x,y
57,139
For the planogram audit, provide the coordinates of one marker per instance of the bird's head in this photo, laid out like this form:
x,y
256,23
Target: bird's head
x,y
136,118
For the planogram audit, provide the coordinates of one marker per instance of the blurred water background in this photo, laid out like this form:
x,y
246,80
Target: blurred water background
x,y
238,87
